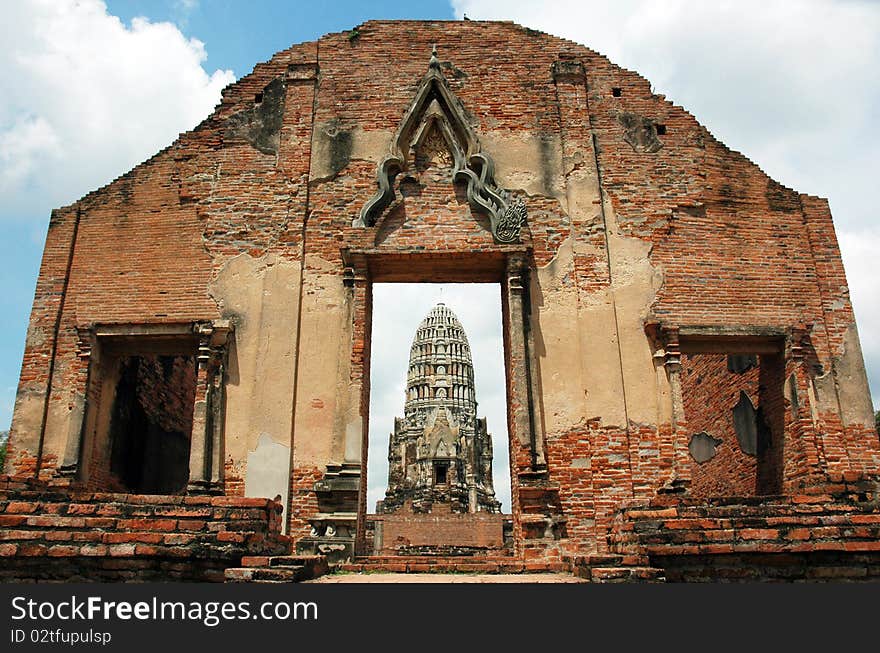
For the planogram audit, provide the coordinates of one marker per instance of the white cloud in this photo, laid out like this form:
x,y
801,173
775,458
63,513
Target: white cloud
x,y
84,98
182,10
29,139
792,85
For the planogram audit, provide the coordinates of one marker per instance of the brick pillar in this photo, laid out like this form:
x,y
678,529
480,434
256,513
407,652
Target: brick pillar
x,y
803,457
199,462
581,173
28,430
215,410
205,457
681,468
522,373
70,465
355,452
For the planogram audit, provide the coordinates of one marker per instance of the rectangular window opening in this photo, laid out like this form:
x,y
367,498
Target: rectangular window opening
x,y
736,415
142,419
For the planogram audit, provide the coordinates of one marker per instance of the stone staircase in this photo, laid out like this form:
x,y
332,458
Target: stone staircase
x,y
615,568
433,564
605,568
278,569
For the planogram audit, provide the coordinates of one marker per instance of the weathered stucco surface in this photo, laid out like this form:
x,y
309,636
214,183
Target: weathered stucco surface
x,y
259,296
26,420
325,412
852,382
336,145
526,161
268,466
634,283
559,344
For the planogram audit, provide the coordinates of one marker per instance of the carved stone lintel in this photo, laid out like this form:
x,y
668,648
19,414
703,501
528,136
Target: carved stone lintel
x,y
436,104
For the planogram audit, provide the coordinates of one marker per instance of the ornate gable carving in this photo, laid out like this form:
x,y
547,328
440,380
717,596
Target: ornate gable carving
x,y
436,110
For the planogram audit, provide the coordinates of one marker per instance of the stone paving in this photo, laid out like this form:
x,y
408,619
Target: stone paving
x,y
448,578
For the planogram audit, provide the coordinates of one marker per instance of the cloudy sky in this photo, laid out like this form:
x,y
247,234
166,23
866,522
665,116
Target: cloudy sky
x,y
89,89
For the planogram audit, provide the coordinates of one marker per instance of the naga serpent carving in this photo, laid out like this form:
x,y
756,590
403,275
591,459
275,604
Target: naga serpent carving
x,y
435,105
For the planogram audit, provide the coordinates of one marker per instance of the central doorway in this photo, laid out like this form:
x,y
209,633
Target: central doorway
x,y
398,310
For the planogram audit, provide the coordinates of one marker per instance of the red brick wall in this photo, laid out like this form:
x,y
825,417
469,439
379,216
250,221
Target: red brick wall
x,y
710,393
831,534
439,530
733,246
56,535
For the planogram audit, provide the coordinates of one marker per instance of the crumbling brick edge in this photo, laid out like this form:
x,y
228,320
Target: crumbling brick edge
x,y
49,532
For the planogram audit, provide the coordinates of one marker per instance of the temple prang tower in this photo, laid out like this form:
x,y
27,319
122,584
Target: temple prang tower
x,y
440,451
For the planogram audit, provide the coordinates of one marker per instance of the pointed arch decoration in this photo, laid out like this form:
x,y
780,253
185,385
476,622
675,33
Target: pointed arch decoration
x,y
435,106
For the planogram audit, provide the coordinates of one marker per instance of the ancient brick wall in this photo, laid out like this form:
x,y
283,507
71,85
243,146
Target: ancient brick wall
x,y
638,219
51,534
710,393
832,533
439,531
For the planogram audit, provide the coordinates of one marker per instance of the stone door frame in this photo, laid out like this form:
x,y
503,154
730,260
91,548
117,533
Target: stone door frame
x,y
205,341
513,269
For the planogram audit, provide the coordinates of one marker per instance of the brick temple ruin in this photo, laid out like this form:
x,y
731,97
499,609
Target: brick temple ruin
x,y
686,392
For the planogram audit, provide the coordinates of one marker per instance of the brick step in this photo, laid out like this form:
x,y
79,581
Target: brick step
x,y
611,560
621,574
435,560
277,569
616,568
291,574
314,561
409,565
444,551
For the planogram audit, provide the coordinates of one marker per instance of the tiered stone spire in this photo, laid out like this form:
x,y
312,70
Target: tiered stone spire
x,y
440,452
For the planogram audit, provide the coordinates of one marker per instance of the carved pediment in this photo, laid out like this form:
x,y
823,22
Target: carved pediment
x,y
436,114
442,437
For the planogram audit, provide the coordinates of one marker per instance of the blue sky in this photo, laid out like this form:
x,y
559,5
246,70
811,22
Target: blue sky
x,y
241,33
88,89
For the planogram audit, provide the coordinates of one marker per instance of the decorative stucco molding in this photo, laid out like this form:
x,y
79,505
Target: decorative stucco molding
x,y
435,105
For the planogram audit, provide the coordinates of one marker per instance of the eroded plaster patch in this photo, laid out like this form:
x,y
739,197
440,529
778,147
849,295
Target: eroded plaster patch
x,y
852,382
267,473
260,297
